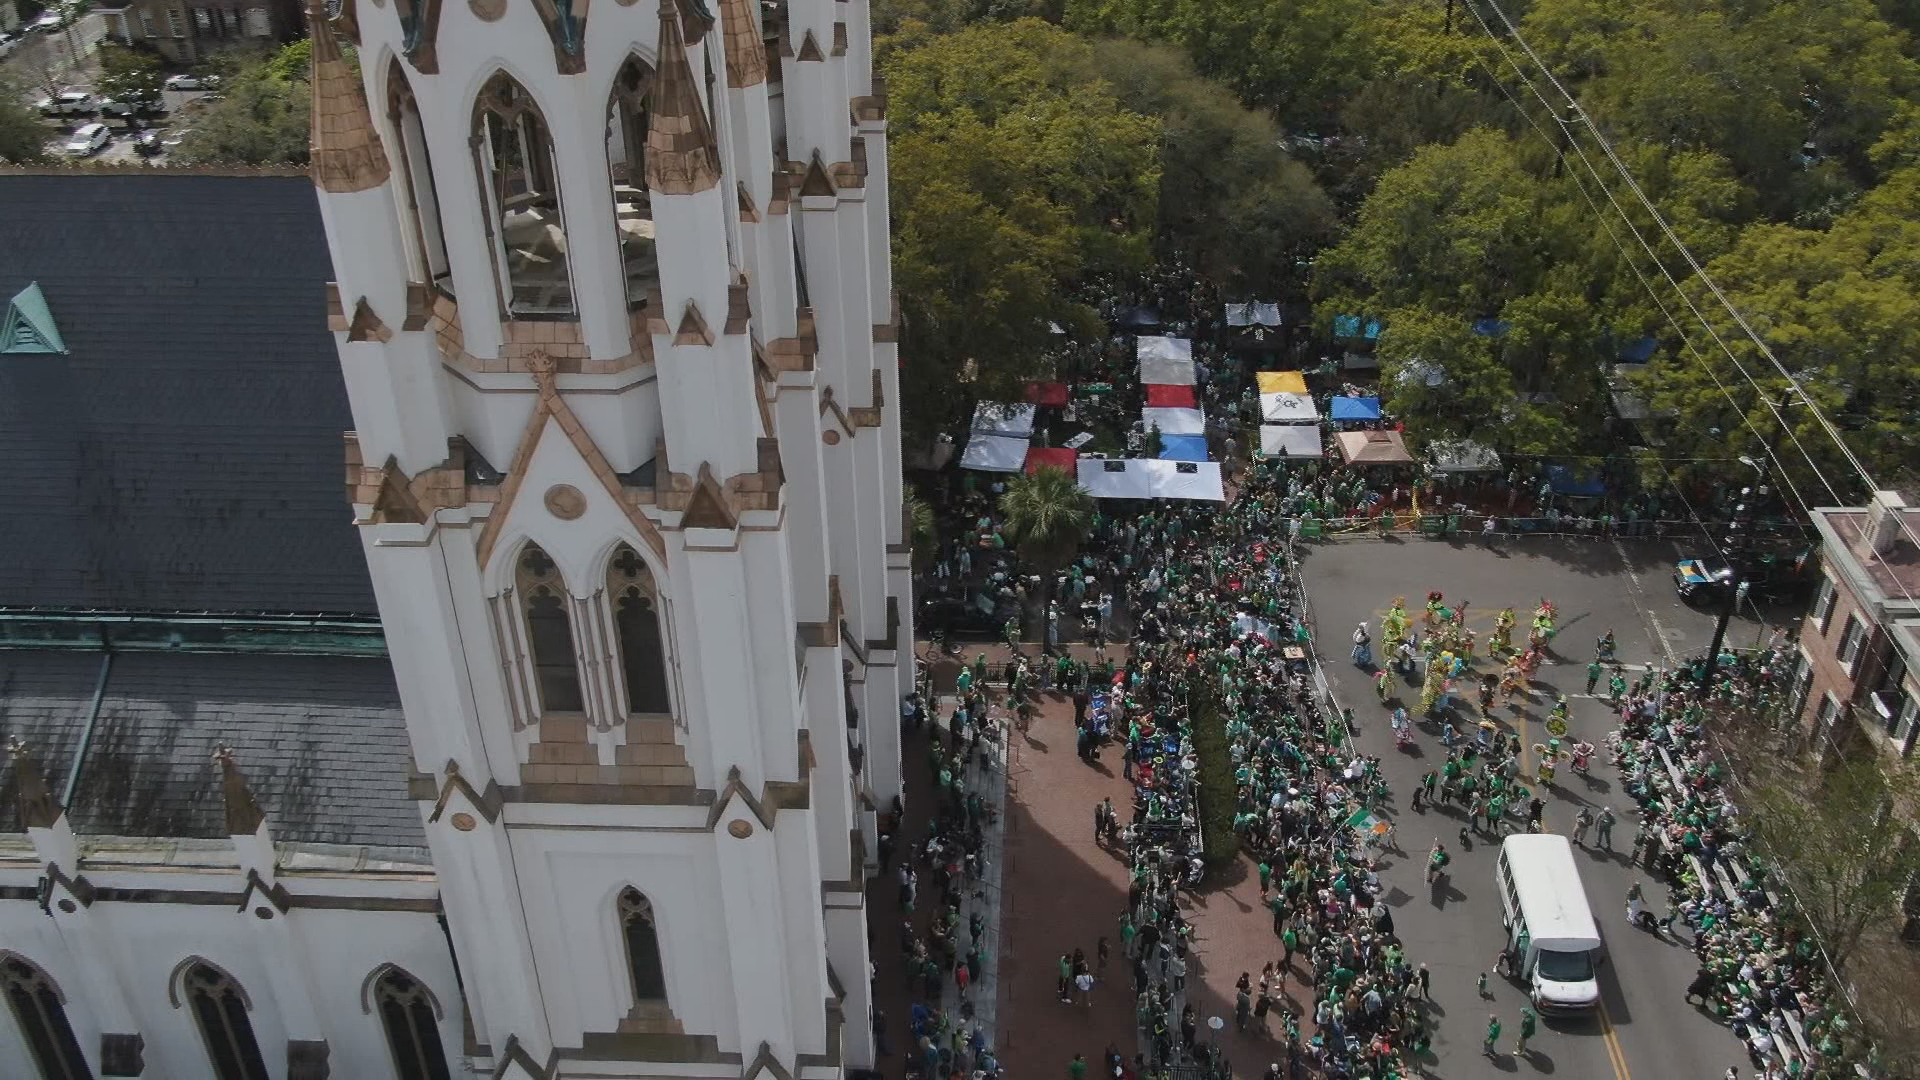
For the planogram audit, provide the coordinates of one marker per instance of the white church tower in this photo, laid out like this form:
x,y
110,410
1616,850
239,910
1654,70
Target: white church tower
x,y
616,318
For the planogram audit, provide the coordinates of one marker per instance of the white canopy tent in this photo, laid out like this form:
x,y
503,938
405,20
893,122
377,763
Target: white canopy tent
x,y
998,418
1175,421
995,453
1462,455
1139,478
1165,361
1254,314
1291,440
1286,408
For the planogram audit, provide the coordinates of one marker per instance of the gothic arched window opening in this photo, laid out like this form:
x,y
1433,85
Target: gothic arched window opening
x,y
42,1016
643,947
636,618
220,1011
522,188
413,1032
543,602
416,169
627,121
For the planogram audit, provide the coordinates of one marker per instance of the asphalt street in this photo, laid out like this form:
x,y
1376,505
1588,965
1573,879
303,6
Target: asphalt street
x,y
1645,1030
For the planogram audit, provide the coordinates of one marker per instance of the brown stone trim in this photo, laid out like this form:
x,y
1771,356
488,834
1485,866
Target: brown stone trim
x,y
809,50
781,193
757,490
693,328
682,157
515,1054
739,307
815,182
872,108
488,804
366,324
707,506
425,54
748,214
890,642
829,404
765,1062
419,307
32,800
336,315
851,175
425,905
637,1046
796,353
607,795
746,53
78,886
840,39
564,61
213,898
871,416
122,1054
307,1059
345,151
19,892
394,502
276,894
888,333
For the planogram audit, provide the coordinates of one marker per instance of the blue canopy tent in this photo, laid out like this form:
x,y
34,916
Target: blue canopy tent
x,y
1355,408
1576,485
1350,327
1183,448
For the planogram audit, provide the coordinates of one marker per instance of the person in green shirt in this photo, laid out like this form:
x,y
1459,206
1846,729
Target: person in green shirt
x,y
1593,675
1527,1026
1493,1035
1077,1068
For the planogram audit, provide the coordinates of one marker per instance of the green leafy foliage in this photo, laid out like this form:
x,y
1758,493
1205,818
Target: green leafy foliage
x,y
263,116
23,139
129,75
1219,792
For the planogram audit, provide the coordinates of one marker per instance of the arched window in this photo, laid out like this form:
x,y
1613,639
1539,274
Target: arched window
x,y
522,188
636,618
42,1016
643,947
543,600
627,121
220,1010
416,168
413,1031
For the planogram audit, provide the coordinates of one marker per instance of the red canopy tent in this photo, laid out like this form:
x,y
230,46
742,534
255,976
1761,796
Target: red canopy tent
x,y
1167,396
1047,393
1052,457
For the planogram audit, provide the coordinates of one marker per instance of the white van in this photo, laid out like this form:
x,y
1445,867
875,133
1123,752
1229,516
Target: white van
x,y
1550,928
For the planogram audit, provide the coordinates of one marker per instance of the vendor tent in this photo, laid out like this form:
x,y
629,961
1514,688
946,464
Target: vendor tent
x,y
1163,348
1281,382
1462,455
994,418
1183,448
1047,393
1352,327
1137,478
1163,396
1117,478
1354,408
1052,457
1288,409
1254,314
995,453
1290,440
1165,361
1372,448
1175,421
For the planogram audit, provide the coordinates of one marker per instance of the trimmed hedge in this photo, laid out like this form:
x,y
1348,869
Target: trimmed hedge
x,y
1219,794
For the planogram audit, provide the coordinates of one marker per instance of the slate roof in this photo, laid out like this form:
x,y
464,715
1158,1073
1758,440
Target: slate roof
x,y
186,454
321,740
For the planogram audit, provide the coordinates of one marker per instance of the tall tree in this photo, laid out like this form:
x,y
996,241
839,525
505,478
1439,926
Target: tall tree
x,y
263,116
23,138
1048,514
129,75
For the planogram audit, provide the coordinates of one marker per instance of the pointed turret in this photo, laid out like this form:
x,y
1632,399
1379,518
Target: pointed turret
x,y
746,53
347,155
244,815
34,802
682,158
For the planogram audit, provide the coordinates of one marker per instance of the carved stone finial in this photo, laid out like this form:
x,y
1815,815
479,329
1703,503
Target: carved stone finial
x,y
34,802
682,157
244,815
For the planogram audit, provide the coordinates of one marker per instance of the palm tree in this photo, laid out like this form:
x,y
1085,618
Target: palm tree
x,y
921,535
1047,515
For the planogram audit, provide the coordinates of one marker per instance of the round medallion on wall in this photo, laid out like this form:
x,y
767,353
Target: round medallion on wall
x,y
830,437
463,822
263,913
69,906
741,829
487,10
565,502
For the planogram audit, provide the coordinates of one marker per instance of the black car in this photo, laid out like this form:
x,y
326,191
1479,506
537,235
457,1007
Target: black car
x,y
1771,579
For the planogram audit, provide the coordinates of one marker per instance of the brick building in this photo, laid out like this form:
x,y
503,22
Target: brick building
x,y
185,31
1859,677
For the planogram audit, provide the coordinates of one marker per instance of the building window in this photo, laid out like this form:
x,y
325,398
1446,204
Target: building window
x,y
523,191
1852,635
1903,725
259,23
220,1010
146,23
1829,708
627,122
1802,687
1823,605
42,1016
416,168
543,601
636,619
413,1029
175,27
643,947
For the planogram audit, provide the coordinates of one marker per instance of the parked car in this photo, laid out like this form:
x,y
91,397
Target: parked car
x,y
126,108
192,82
68,103
87,140
147,144
48,22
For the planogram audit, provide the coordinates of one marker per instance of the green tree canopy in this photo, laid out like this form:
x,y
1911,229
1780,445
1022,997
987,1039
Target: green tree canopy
x,y
23,138
129,75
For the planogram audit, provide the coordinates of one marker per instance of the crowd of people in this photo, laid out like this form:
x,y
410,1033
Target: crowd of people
x,y
1759,971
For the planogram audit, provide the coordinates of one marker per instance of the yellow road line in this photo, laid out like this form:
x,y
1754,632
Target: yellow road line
x,y
1615,1053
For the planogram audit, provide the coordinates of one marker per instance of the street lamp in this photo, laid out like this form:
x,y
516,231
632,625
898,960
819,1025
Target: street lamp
x,y
1736,552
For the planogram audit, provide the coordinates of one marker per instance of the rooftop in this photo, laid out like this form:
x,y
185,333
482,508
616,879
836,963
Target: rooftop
x,y
1895,575
321,740
184,453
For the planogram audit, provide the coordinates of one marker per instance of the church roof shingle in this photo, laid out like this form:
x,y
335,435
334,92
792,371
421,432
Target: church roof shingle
x,y
185,455
321,739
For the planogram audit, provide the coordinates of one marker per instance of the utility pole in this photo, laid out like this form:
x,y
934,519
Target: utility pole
x,y
1739,533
